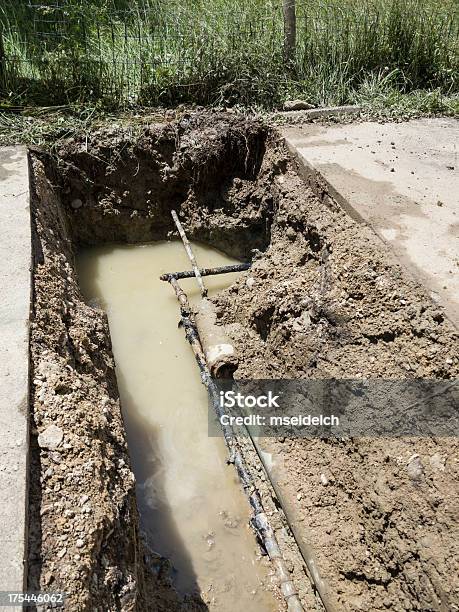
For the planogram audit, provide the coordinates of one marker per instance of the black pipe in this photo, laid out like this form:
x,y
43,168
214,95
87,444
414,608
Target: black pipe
x,y
206,271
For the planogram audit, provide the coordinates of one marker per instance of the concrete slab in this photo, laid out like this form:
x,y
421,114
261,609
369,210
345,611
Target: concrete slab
x,y
295,116
403,180
15,280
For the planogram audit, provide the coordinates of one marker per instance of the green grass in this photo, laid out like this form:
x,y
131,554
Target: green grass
x,y
121,53
47,128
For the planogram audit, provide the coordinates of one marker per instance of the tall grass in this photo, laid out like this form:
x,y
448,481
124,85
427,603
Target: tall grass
x,y
123,52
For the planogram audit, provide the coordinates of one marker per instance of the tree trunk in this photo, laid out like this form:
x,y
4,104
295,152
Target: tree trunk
x,y
289,33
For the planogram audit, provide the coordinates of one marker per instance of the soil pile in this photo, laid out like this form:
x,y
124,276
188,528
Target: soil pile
x,y
328,300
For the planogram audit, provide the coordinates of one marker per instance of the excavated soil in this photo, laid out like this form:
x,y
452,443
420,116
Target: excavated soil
x,y
324,299
327,300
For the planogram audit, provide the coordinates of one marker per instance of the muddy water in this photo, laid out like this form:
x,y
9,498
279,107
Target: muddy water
x,y
192,508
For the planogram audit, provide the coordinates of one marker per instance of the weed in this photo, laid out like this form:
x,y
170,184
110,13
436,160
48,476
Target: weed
x,y
226,52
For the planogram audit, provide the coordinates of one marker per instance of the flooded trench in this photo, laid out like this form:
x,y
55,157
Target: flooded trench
x,y
192,508
327,301
135,457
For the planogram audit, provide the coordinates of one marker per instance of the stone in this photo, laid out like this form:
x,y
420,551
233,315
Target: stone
x,y
437,462
295,105
415,468
51,438
77,203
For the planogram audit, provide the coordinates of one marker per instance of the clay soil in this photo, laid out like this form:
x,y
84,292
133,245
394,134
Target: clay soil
x,y
324,299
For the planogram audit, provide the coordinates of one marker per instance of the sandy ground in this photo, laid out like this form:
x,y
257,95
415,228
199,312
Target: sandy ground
x,y
326,299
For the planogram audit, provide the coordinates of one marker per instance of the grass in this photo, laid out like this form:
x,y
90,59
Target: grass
x,y
123,53
47,128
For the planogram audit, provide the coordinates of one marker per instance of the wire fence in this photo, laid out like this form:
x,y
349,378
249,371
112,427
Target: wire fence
x,y
125,53
152,51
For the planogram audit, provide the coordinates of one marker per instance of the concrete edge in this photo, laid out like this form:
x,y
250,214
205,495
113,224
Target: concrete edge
x,y
15,315
319,184
310,174
319,113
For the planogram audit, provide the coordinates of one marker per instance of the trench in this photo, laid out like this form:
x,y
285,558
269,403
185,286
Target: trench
x,y
321,289
192,510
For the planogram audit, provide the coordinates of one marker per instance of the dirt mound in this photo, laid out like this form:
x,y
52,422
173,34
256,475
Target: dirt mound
x,y
328,300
